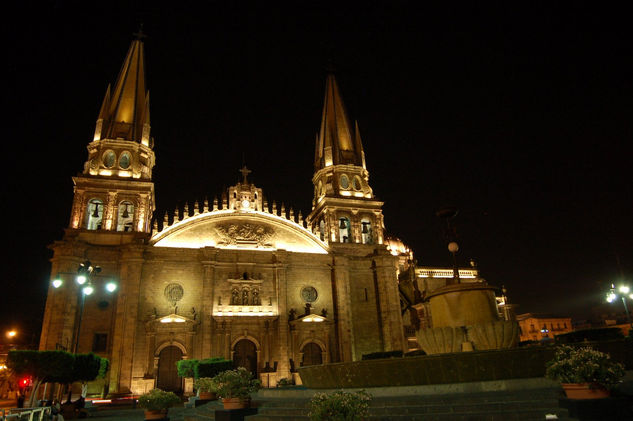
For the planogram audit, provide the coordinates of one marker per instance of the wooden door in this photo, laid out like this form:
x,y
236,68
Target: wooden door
x,y
245,355
312,354
168,378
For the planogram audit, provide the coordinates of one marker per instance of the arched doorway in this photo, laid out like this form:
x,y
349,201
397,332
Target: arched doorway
x,y
168,378
312,355
245,355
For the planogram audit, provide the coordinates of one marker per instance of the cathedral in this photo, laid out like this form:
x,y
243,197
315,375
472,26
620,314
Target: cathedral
x,y
239,278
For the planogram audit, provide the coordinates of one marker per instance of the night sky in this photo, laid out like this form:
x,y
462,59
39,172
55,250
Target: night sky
x,y
519,117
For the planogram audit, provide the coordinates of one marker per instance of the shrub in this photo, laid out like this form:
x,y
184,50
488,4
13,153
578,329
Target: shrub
x,y
157,399
186,368
339,406
379,355
600,334
205,384
210,367
236,383
284,382
584,365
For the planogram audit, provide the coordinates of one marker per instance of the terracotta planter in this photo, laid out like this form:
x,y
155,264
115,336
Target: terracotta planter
x,y
236,403
207,396
155,414
584,391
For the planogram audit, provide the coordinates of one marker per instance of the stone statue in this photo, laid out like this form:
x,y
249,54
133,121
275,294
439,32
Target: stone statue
x,y
245,297
255,299
235,297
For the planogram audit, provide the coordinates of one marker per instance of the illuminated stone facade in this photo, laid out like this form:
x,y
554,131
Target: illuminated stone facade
x,y
238,278
537,327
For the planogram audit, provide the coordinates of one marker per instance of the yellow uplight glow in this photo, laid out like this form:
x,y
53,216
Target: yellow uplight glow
x,y
172,320
313,318
105,172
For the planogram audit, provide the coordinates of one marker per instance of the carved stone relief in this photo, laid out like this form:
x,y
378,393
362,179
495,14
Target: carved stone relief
x,y
233,234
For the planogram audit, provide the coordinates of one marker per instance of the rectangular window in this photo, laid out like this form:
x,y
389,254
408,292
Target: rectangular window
x,y
100,342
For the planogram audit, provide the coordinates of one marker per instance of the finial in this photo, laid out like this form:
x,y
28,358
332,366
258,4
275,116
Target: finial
x,y
140,35
245,172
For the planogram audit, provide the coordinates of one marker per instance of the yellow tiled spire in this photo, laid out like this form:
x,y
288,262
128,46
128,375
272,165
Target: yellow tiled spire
x,y
337,141
125,112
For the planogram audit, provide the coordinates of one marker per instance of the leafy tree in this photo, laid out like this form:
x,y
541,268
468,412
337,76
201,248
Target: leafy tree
x,y
41,366
56,366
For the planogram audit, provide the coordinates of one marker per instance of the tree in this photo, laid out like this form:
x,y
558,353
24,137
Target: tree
x,y
41,366
56,366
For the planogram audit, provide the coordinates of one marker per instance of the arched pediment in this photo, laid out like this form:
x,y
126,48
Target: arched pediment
x,y
238,230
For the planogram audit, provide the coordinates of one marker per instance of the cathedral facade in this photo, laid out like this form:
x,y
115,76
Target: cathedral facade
x,y
238,278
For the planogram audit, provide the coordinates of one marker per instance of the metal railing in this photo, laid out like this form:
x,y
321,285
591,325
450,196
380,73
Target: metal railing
x,y
19,414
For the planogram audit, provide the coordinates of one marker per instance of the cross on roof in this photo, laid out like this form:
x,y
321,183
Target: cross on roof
x,y
245,172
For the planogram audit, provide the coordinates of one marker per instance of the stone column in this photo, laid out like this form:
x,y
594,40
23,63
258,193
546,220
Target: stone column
x,y
151,346
343,308
127,323
208,302
281,289
390,319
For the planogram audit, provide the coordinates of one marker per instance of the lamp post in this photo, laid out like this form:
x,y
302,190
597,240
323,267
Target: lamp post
x,y
450,233
85,273
622,292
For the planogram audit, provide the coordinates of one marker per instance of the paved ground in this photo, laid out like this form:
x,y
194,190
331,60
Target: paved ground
x,y
117,414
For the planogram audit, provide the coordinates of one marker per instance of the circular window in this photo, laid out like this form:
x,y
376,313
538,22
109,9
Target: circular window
x,y
309,294
357,183
125,160
173,293
109,158
344,182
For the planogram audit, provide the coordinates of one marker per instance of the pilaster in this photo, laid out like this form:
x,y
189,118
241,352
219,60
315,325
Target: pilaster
x,y
127,321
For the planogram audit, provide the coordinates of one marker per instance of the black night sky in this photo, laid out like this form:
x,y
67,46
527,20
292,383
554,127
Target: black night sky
x,y
520,117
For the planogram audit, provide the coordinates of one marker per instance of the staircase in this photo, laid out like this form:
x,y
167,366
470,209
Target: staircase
x,y
292,404
488,406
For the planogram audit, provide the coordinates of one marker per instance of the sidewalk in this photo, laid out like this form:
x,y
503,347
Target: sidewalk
x,y
8,403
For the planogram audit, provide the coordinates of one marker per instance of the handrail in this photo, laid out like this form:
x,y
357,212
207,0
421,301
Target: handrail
x,y
24,412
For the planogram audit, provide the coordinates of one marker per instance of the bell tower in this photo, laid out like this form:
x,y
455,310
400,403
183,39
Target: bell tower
x,y
115,191
344,209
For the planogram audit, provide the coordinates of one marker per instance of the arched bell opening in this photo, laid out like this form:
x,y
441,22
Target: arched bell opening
x,y
94,214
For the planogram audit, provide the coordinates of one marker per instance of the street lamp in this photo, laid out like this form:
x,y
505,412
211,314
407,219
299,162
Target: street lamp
x,y
622,292
85,273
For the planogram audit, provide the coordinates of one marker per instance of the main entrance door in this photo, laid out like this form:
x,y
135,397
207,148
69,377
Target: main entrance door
x,y
245,355
312,354
168,378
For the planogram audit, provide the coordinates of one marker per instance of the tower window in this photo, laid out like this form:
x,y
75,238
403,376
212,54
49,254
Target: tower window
x,y
125,160
94,214
125,216
357,183
344,182
109,158
100,342
366,231
344,230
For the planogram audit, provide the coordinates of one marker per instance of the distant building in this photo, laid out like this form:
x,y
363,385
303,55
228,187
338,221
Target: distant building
x,y
537,327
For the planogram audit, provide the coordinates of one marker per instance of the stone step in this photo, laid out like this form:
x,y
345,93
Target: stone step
x,y
531,415
429,410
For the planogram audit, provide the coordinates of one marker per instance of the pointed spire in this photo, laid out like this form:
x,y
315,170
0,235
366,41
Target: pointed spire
x,y
125,110
337,142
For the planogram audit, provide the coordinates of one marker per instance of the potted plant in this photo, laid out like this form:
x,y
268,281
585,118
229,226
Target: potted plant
x,y
235,387
584,373
339,405
156,403
206,388
284,382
